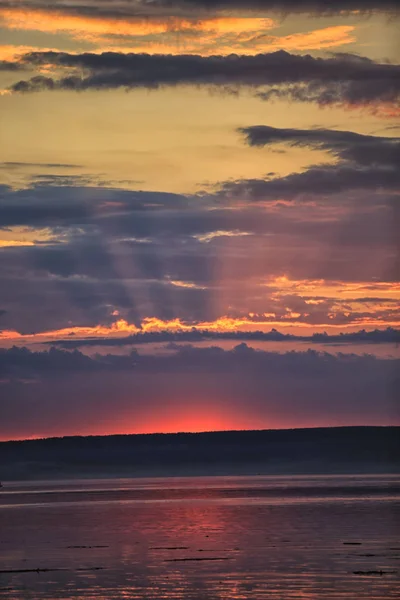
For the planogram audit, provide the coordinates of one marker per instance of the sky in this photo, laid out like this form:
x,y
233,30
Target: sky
x,y
199,215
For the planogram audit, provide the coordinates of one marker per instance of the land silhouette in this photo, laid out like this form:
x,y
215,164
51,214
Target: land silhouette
x,y
297,451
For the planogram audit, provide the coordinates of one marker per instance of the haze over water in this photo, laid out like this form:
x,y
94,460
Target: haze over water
x,y
306,537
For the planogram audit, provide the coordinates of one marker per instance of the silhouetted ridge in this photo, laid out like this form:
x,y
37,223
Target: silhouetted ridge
x,y
319,450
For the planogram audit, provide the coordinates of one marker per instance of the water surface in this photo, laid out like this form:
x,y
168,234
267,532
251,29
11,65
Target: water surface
x,y
204,537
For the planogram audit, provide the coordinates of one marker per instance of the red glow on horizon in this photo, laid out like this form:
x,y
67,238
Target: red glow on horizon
x,y
261,426
190,420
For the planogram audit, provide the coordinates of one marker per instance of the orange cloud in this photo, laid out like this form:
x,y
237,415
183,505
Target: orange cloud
x,y
185,284
222,35
245,42
252,322
282,286
10,243
92,28
207,237
10,52
382,110
318,39
22,236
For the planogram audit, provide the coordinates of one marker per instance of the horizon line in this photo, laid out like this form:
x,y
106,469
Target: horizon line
x,y
199,433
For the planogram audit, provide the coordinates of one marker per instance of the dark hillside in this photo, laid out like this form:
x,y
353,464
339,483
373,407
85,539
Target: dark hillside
x,y
324,450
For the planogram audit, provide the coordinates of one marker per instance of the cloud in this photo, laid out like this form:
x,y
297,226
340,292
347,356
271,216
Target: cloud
x,y
377,336
342,79
197,34
204,257
93,300
49,363
142,8
289,6
24,165
6,65
137,31
128,217
324,180
62,200
12,243
94,252
364,162
363,150
240,388
207,237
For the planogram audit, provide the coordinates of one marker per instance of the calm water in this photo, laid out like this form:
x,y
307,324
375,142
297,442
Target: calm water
x,y
202,538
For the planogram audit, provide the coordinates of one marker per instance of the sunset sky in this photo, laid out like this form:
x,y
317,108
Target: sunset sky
x,y
199,215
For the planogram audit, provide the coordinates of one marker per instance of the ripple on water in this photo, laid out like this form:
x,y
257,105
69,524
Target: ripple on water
x,y
209,538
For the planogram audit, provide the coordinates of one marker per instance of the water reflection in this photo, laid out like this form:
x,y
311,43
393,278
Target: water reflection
x,y
205,538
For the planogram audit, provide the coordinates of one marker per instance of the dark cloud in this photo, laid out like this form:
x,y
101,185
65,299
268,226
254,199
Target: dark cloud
x,y
378,336
23,165
6,65
174,256
363,150
344,78
83,284
365,162
166,255
23,364
144,222
320,180
49,392
365,177
49,363
290,6
193,8
349,94
52,203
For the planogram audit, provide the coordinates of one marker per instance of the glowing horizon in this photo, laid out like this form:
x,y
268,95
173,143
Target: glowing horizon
x,y
174,181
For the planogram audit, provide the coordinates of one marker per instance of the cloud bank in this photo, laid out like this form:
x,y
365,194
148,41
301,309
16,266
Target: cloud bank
x,y
387,336
104,255
46,392
343,79
131,8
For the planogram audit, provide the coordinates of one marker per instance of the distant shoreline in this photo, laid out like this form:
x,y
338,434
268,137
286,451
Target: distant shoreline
x,y
202,433
329,451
